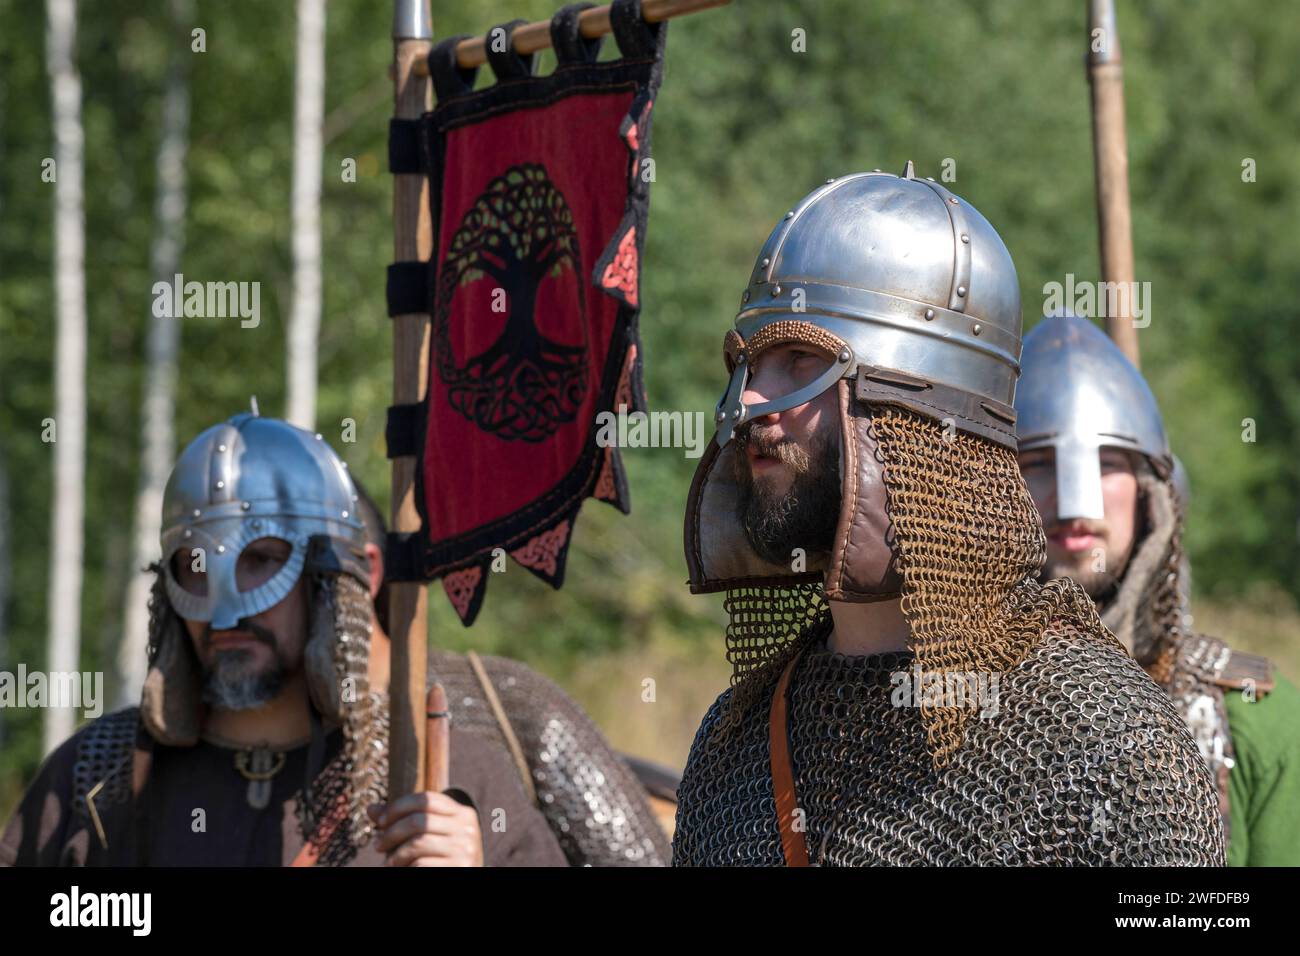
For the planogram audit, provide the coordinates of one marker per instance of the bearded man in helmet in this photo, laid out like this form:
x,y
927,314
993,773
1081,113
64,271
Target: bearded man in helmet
x,y
1095,455
258,741
905,691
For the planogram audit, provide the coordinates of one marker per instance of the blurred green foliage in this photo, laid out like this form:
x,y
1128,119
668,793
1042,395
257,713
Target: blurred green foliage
x,y
744,127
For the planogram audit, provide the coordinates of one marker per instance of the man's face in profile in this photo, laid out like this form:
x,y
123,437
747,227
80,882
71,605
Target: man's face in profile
x,y
787,463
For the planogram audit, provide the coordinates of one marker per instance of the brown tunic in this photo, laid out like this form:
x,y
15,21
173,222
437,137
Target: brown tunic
x,y
164,825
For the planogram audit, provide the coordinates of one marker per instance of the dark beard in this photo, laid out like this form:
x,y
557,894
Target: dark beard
x,y
805,516
228,684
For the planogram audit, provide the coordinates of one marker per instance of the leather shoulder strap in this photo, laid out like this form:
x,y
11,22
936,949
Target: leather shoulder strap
x,y
793,845
503,721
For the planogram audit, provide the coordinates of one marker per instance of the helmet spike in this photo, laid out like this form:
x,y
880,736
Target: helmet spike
x,y
909,171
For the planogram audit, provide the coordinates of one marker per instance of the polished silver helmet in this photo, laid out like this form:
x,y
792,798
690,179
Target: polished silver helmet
x,y
1078,393
913,299
249,478
908,277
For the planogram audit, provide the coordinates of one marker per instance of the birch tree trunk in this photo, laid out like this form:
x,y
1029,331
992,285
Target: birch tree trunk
x,y
67,531
6,566
6,535
308,118
159,407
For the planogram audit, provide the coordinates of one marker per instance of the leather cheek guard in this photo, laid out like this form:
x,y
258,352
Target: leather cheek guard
x,y
718,554
169,703
863,564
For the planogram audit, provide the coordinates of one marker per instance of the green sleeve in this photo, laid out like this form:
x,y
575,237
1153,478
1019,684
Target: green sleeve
x,y
1264,785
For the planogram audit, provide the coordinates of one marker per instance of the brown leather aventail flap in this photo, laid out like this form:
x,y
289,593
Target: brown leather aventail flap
x,y
170,701
863,565
503,724
970,413
793,844
718,555
1247,671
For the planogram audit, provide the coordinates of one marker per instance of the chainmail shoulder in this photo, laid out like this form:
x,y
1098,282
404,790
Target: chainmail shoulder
x,y
103,755
590,798
1150,614
1080,760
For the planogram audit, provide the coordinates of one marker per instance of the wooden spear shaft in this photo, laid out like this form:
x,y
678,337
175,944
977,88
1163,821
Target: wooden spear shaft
x,y
1110,155
412,239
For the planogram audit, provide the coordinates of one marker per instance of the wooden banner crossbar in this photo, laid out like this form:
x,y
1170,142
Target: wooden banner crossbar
x,y
532,37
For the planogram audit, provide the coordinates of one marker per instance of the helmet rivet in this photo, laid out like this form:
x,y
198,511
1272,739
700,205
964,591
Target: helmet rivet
x,y
318,438
965,238
875,170
221,549
766,262
735,413
776,290
246,505
345,514
740,359
745,297
221,484
197,512
977,328
722,416
831,180
961,290
844,355
953,200
221,448
929,313
790,214
188,533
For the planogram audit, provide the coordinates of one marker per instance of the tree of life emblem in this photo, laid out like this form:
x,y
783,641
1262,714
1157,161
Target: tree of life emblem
x,y
518,233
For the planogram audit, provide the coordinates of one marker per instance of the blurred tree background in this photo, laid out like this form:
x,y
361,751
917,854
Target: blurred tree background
x,y
745,125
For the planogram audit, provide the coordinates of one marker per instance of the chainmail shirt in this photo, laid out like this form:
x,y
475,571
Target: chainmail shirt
x,y
1086,762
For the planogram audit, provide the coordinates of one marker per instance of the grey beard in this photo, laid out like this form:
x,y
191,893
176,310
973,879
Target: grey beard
x,y
228,686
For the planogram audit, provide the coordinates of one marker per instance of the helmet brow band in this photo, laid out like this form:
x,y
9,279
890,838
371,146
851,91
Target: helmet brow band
x,y
792,330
